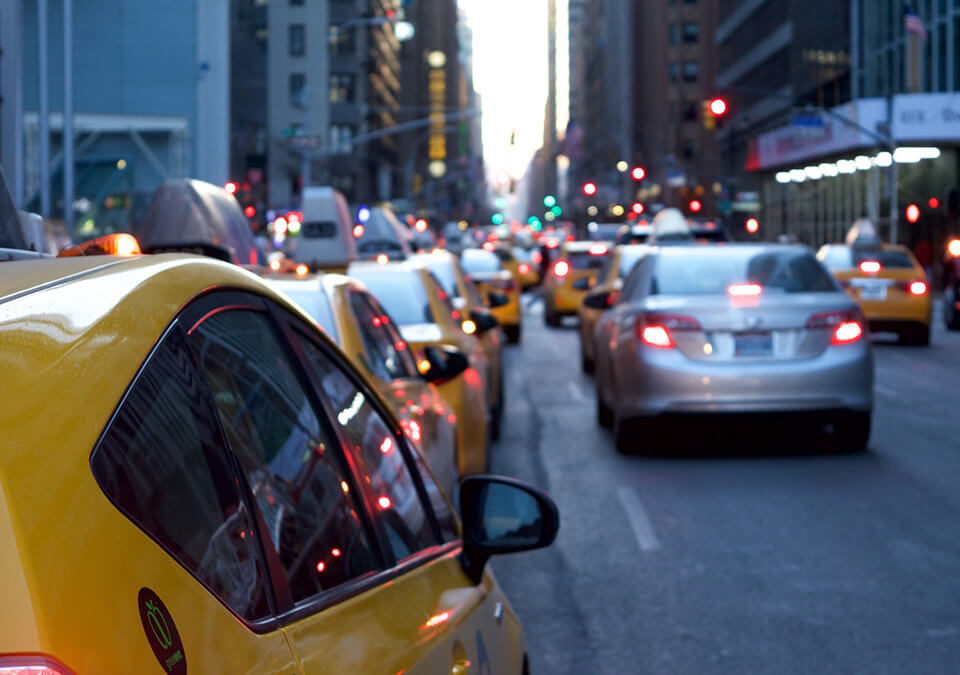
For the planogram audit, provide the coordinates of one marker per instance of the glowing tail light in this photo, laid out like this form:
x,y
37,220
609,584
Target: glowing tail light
x,y
488,246
598,249
656,330
744,290
847,327
560,269
870,266
953,248
917,288
524,268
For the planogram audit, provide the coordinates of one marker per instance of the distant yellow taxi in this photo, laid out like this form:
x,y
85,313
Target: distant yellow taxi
x,y
350,315
194,478
528,266
433,327
602,295
569,278
499,285
889,285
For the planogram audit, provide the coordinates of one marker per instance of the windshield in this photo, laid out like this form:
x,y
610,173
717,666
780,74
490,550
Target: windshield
x,y
478,261
401,293
698,272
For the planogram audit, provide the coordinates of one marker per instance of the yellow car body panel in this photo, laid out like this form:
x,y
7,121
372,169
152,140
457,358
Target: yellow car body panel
x,y
71,564
504,282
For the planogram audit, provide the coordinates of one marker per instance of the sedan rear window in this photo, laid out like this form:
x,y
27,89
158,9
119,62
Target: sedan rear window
x,y
698,272
402,295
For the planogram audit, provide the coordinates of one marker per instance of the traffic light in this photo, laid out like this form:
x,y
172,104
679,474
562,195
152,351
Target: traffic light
x,y
913,213
497,218
713,111
589,189
934,203
638,173
695,205
250,211
752,225
549,201
637,208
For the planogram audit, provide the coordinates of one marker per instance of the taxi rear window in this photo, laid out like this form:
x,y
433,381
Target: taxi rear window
x,y
402,295
586,261
892,259
477,261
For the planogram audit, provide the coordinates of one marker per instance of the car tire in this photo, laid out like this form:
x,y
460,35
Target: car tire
x,y
604,412
916,336
950,314
626,434
551,318
586,363
852,434
513,334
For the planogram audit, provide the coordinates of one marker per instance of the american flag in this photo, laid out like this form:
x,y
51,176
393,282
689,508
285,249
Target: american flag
x,y
913,23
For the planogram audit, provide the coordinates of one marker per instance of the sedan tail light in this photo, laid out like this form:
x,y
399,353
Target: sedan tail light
x,y
656,330
560,269
916,287
870,266
524,268
847,327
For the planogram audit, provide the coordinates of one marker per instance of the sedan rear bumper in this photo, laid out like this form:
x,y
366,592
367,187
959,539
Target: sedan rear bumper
x,y
663,381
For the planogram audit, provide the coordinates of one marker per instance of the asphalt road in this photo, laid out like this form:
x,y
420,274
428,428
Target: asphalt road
x,y
769,560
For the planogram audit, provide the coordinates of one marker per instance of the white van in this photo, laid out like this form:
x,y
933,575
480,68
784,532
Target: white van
x,y
326,236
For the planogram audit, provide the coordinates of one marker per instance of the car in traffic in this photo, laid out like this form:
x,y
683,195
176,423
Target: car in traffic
x,y
486,269
327,239
382,234
569,278
887,282
528,266
701,331
602,295
434,328
222,490
951,284
363,329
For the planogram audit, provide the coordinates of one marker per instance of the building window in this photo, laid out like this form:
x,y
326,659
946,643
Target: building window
x,y
341,42
296,3
691,71
298,39
688,152
689,2
341,88
674,33
674,72
298,85
691,32
689,111
340,137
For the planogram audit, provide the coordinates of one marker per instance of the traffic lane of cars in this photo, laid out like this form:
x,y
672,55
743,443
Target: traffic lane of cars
x,y
276,385
755,542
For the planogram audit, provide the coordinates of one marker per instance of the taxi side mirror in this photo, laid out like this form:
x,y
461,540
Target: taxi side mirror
x,y
496,299
445,364
503,515
600,299
484,319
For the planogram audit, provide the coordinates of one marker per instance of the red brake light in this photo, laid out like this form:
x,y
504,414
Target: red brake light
x,y
917,288
598,249
357,231
847,326
870,266
488,246
744,290
655,330
552,243
561,269
524,268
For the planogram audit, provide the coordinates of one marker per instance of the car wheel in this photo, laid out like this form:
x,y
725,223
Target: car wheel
x,y
604,412
950,314
916,336
852,433
513,334
551,318
586,363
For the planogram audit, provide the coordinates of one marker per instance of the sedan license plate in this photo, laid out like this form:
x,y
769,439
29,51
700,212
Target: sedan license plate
x,y
873,292
753,344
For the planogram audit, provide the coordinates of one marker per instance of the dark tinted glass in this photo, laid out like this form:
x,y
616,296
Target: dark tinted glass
x,y
402,294
381,467
387,358
891,259
319,230
288,457
503,254
587,261
164,464
710,272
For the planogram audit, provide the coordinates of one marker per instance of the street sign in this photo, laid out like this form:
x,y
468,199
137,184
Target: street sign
x,y
306,142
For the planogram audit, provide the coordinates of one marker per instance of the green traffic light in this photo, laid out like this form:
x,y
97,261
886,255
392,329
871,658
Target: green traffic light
x,y
556,211
497,218
549,201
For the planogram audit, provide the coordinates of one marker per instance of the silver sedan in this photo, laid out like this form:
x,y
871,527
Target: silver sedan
x,y
756,329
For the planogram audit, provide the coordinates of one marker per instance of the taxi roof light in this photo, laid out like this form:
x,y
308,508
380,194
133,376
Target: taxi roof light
x,y
598,249
120,243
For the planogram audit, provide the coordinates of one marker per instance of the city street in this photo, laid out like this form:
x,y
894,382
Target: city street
x,y
760,560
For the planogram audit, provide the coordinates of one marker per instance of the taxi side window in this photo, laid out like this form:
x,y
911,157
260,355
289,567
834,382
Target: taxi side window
x,y
394,338
289,458
163,463
382,470
387,357
632,285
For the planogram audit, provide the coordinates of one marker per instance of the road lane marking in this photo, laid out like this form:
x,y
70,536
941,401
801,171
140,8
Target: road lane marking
x,y
575,392
639,522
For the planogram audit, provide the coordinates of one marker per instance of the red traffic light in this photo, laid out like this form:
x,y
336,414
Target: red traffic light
x,y
718,107
589,189
913,213
420,225
752,225
637,208
638,173
250,211
695,205
934,203
230,187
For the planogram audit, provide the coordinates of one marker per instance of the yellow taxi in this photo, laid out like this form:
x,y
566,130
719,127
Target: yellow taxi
x,y
357,322
887,282
602,295
194,478
499,285
434,328
466,298
528,266
569,278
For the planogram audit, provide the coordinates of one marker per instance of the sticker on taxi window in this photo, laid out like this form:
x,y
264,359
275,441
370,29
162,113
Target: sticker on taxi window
x,y
161,633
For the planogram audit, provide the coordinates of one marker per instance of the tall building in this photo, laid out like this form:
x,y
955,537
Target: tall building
x,y
674,137
150,96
